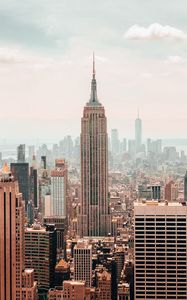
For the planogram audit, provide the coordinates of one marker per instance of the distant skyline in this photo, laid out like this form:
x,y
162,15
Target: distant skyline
x,y
46,66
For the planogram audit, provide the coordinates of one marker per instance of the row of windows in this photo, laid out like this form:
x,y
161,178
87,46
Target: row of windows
x,y
162,219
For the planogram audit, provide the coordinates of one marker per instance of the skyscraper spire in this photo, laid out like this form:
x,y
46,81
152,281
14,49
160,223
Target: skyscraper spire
x,y
93,97
93,65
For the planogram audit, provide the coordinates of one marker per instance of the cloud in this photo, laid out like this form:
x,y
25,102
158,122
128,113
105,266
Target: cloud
x,y
175,59
11,55
153,32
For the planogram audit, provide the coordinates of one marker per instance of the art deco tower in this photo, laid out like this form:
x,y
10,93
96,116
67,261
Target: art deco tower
x,y
94,219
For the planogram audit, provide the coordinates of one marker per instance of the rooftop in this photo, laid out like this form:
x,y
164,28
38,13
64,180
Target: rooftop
x,y
157,203
62,264
74,282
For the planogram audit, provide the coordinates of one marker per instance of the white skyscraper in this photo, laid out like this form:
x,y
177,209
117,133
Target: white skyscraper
x,y
58,189
160,251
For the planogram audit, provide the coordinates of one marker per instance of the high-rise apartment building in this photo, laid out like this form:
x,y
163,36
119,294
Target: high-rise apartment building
x,y
160,250
59,189
40,254
138,133
12,260
82,255
94,219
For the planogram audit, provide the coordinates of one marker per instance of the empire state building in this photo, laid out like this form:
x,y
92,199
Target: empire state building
x,y
94,219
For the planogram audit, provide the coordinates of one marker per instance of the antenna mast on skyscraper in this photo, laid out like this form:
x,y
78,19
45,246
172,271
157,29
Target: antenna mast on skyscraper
x,y
93,65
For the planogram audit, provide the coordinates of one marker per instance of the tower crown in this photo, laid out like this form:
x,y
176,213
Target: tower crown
x,y
5,174
93,97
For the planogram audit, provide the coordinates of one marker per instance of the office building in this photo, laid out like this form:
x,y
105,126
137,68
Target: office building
x,y
94,219
12,264
82,254
21,153
138,133
160,250
115,143
59,189
20,171
66,147
30,212
40,254
156,192
61,227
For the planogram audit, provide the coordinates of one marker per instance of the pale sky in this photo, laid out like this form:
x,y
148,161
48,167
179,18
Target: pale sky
x,y
46,63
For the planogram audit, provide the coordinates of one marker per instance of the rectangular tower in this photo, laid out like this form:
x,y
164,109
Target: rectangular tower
x,y
82,255
95,218
138,133
59,189
12,245
160,251
40,254
20,171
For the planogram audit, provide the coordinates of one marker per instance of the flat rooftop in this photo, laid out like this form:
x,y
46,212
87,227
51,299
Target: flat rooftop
x,y
163,208
157,203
